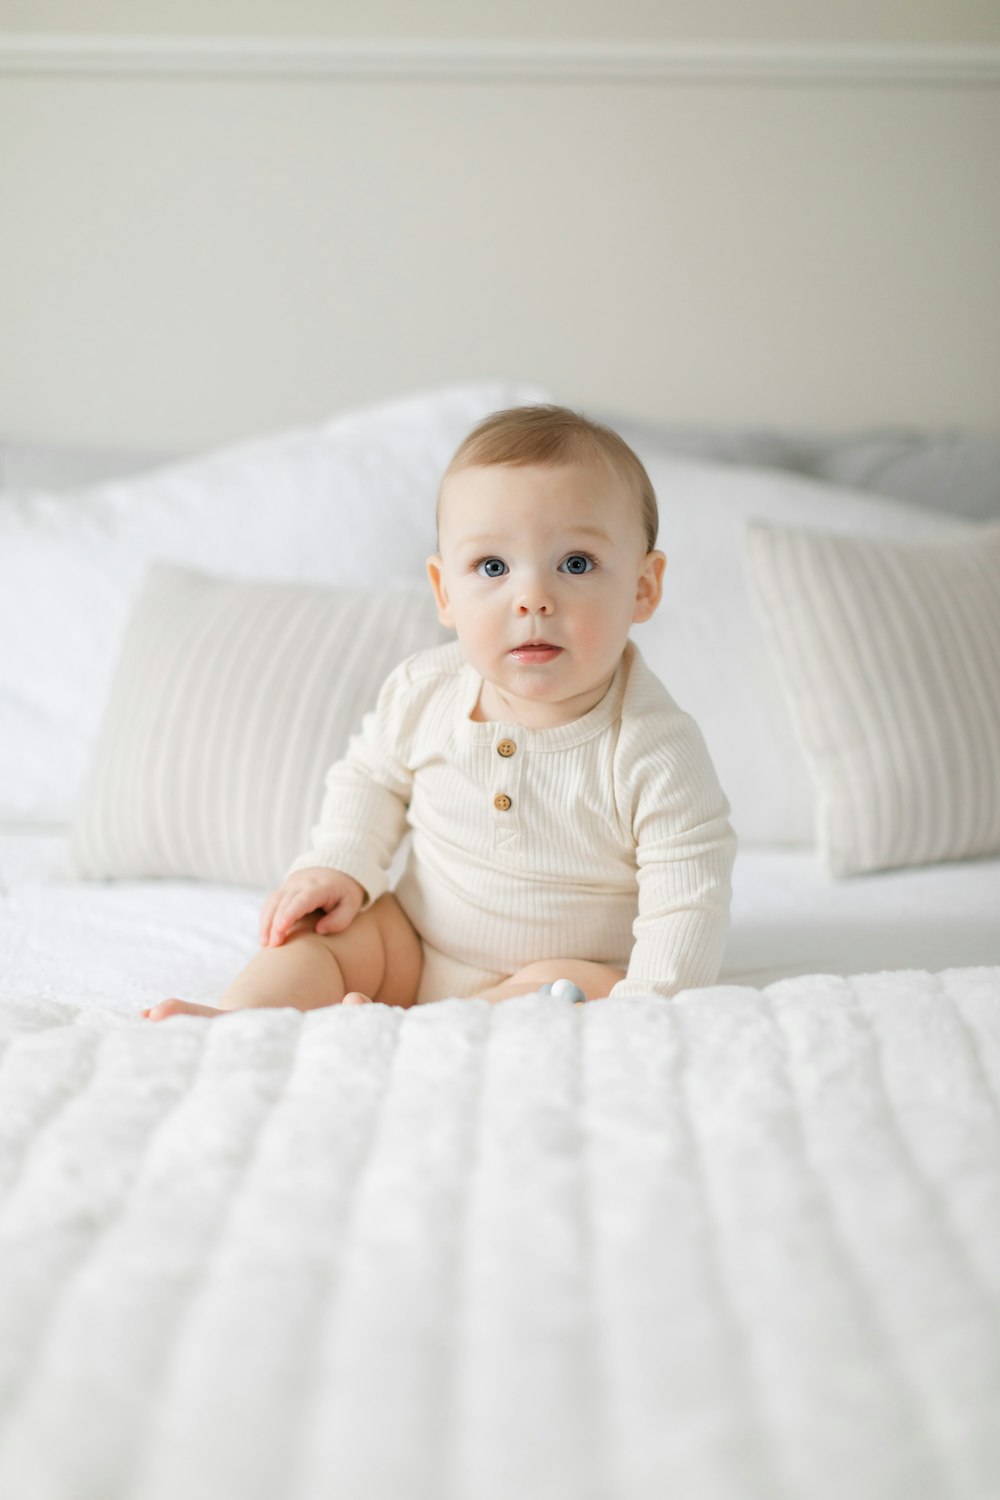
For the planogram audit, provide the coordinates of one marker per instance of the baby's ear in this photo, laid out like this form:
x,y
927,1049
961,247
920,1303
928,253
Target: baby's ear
x,y
435,572
649,589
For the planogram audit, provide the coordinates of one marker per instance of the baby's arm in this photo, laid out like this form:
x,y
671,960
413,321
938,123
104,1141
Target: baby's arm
x,y
685,848
340,896
364,812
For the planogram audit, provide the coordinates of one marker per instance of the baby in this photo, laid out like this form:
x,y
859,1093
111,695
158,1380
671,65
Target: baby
x,y
566,819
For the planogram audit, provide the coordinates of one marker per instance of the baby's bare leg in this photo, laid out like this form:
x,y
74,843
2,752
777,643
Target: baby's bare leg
x,y
377,957
596,980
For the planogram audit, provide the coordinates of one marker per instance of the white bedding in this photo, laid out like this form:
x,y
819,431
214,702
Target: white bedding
x,y
739,1246
125,944
790,917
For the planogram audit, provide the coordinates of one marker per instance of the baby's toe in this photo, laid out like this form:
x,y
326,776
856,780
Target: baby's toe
x,y
355,997
168,1008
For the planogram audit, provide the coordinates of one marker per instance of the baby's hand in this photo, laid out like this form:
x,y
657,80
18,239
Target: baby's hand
x,y
315,889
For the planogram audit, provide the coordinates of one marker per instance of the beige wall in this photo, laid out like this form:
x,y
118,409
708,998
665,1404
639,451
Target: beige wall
x,y
665,20
188,259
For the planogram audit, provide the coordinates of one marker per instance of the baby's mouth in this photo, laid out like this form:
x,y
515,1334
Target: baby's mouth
x,y
535,651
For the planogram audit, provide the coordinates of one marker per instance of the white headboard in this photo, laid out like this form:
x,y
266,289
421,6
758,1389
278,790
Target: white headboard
x,y
206,237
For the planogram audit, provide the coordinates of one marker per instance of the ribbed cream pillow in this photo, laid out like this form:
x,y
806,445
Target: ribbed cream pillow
x,y
890,654
229,702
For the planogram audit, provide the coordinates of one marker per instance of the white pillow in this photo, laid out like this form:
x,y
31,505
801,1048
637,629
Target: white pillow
x,y
707,645
229,702
890,652
350,502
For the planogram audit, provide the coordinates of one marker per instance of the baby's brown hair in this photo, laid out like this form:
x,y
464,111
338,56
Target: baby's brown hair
x,y
556,435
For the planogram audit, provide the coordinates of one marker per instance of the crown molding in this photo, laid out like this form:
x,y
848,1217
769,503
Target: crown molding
x,y
583,62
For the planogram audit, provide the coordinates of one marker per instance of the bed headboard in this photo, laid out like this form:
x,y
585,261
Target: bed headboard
x,y
210,237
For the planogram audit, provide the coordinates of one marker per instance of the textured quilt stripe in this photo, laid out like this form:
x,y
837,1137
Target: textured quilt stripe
x,y
678,1393
153,1159
739,1246
830,1396
522,1400
379,1416
247,1342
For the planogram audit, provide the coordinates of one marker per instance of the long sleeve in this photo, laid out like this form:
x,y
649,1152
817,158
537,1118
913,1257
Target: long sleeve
x,y
364,811
606,838
685,850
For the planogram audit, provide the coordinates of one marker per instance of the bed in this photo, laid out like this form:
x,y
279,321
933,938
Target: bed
x,y
739,1244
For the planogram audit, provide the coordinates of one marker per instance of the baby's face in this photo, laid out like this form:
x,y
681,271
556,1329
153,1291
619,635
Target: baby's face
x,y
542,571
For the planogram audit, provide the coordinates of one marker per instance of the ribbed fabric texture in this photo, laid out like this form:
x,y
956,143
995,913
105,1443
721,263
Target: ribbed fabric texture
x,y
229,701
890,653
605,839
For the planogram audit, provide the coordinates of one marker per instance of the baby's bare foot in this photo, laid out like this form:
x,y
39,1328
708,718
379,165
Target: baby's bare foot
x,y
167,1008
355,997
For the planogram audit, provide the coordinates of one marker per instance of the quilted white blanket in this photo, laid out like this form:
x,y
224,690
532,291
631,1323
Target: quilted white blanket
x,y
740,1246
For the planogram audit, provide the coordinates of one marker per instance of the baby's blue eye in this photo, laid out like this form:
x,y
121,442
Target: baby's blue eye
x,y
491,567
577,562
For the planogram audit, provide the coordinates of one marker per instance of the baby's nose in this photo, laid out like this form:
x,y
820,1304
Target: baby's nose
x,y
534,601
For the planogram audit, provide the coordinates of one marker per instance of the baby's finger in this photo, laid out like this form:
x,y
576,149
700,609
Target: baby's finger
x,y
280,923
267,916
291,908
337,918
270,928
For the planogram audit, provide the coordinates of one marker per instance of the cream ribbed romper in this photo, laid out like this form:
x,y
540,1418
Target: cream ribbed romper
x,y
605,839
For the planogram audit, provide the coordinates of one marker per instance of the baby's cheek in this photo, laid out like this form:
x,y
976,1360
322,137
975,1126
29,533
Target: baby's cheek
x,y
596,633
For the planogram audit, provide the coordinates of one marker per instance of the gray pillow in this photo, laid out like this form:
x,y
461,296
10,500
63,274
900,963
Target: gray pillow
x,y
946,469
954,471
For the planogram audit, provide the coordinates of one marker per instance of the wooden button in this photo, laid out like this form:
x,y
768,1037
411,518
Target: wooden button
x,y
506,747
501,802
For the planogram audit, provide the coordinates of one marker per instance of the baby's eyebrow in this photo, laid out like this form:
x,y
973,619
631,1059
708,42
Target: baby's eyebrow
x,y
597,531
475,541
487,539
